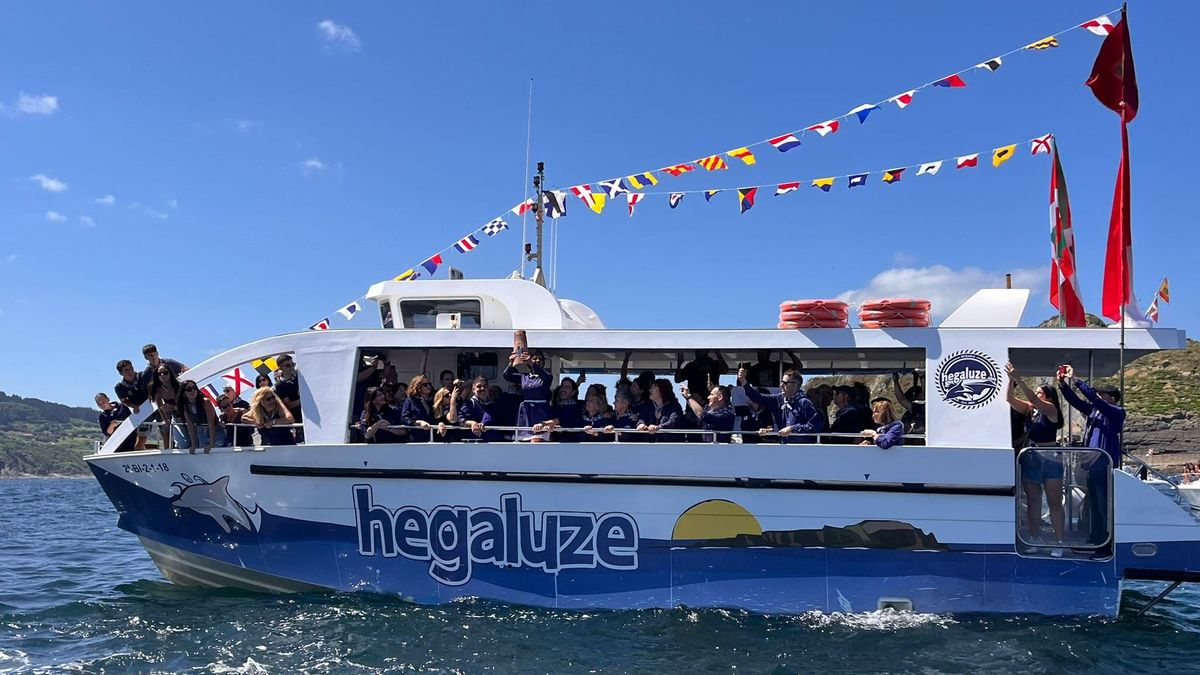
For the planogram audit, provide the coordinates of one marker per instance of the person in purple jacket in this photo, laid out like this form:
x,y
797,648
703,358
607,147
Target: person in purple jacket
x,y
667,412
535,392
476,413
890,432
796,418
716,417
1105,419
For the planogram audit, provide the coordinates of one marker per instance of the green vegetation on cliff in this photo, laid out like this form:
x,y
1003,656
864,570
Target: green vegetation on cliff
x,y
41,438
1163,382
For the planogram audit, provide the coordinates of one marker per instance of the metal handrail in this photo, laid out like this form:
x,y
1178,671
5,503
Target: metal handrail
x,y
432,429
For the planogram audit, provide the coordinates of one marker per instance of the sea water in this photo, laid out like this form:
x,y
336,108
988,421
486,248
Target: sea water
x,y
79,595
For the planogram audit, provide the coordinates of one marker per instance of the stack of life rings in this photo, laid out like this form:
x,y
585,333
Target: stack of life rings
x,y
813,314
895,313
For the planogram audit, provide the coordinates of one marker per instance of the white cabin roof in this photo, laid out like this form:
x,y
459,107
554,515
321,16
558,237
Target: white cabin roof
x,y
504,303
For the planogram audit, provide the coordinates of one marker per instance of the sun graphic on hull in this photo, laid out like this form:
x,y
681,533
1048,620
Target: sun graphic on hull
x,y
715,519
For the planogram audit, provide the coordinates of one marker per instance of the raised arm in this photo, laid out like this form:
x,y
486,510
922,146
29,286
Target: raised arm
x,y
1105,407
898,391
679,374
1045,407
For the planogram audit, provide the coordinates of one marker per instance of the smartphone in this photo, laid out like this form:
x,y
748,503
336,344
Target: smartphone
x,y
1062,370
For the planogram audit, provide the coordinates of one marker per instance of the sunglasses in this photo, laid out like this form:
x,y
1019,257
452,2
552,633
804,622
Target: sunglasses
x,y
190,390
285,363
164,372
270,399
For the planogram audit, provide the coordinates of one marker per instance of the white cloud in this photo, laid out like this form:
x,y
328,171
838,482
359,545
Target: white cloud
x,y
904,258
313,165
32,104
49,184
107,200
246,126
153,213
944,287
11,258
55,217
172,203
87,221
338,35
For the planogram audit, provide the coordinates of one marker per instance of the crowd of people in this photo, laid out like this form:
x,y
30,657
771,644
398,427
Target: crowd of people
x,y
644,408
187,418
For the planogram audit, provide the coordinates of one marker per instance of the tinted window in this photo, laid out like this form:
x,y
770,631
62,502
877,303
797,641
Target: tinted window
x,y
423,313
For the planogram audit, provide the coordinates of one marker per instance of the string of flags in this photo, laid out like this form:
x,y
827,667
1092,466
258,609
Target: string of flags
x,y
1164,294
633,186
747,194
1101,26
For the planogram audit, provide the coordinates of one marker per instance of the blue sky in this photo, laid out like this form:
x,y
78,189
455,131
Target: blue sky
x,y
203,175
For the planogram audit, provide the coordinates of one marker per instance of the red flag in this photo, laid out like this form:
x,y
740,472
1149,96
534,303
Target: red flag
x,y
1064,281
1113,81
1118,259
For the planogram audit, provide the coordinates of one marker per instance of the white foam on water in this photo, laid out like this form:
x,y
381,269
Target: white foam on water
x,y
883,620
250,667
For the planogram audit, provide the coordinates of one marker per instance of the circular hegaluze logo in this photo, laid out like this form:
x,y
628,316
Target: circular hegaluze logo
x,y
968,379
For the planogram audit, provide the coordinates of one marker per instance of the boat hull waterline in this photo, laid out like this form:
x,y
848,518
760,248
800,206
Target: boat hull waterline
x,y
268,522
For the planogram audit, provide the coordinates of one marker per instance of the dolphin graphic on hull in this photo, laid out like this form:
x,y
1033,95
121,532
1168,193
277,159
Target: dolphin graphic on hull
x,y
213,500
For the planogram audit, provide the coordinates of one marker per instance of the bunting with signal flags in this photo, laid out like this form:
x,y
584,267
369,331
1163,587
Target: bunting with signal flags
x,y
790,140
554,202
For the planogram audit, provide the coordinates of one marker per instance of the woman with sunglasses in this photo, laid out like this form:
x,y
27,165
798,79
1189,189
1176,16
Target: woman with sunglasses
x,y
378,418
200,419
418,410
164,391
266,411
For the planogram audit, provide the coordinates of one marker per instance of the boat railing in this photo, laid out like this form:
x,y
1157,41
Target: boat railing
x,y
442,432
1145,469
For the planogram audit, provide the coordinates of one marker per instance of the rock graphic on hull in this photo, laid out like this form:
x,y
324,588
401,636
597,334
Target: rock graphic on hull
x,y
213,500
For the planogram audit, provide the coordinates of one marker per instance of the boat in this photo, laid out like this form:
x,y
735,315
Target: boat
x,y
933,525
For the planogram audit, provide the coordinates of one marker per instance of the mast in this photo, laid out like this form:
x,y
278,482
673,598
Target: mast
x,y
539,275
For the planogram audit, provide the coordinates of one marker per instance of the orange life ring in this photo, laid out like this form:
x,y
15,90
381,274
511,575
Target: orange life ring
x,y
816,314
896,303
895,323
885,315
809,305
797,325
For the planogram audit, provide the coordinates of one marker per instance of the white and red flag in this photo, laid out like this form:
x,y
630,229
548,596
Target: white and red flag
x,y
784,188
1101,25
966,161
1152,310
237,378
823,128
633,198
1064,279
902,100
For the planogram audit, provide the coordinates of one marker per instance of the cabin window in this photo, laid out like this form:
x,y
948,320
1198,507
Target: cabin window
x,y
424,313
385,314
1064,503
870,376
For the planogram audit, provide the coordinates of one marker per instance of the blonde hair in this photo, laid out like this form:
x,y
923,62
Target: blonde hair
x,y
258,412
438,398
884,410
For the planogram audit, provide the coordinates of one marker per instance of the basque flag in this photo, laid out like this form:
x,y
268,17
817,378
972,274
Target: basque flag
x,y
467,243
